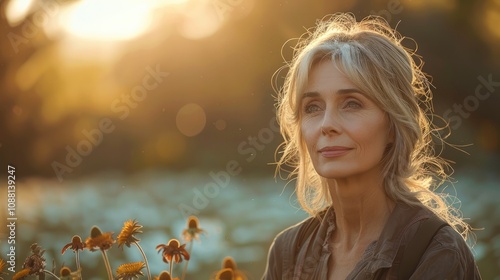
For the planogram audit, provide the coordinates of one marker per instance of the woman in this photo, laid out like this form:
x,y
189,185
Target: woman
x,y
353,115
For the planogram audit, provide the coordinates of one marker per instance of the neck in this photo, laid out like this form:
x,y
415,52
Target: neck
x,y
361,209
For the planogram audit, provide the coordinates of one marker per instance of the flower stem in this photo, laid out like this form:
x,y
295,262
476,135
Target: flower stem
x,y
171,266
187,262
145,259
51,274
77,254
108,267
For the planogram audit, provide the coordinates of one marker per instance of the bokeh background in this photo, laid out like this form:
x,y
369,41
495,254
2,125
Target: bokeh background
x,y
154,110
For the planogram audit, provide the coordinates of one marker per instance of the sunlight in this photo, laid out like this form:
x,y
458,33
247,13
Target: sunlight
x,y
200,21
492,19
17,10
107,20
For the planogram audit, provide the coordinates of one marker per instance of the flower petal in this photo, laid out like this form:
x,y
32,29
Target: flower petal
x,y
66,247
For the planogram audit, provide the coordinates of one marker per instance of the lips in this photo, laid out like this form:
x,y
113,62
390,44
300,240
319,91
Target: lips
x,y
334,151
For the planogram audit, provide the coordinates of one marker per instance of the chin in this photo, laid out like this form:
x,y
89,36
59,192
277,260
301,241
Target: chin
x,y
335,174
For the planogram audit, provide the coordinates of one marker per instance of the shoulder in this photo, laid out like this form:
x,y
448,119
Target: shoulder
x,y
282,251
449,242
448,256
297,233
450,239
292,234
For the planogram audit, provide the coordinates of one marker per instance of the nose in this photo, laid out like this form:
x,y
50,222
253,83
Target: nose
x,y
330,124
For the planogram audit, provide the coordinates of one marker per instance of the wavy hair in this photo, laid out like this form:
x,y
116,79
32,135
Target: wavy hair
x,y
370,53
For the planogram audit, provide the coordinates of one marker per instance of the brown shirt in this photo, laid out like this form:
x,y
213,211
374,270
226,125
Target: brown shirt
x,y
447,257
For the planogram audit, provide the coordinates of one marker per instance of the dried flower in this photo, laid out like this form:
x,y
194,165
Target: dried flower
x,y
100,240
35,262
164,275
173,251
21,274
65,271
225,274
2,266
126,236
229,263
75,245
193,231
66,274
129,271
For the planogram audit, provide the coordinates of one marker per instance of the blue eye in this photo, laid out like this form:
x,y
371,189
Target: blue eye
x,y
351,104
311,108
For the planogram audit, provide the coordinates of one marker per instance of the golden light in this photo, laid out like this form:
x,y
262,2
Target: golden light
x,y
488,136
17,10
166,147
107,20
426,4
201,20
191,119
492,19
95,30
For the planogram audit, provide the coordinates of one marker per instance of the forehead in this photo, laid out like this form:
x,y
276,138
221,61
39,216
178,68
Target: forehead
x,y
326,76
326,72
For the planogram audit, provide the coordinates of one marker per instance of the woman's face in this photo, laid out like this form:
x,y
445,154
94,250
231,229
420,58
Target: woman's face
x,y
345,132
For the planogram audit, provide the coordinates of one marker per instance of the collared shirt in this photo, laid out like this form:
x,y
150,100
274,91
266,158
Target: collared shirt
x,y
446,257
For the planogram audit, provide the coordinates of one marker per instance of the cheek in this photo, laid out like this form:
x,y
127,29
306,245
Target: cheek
x,y
372,136
308,135
305,136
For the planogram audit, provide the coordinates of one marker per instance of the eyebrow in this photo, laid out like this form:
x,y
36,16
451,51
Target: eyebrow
x,y
340,92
